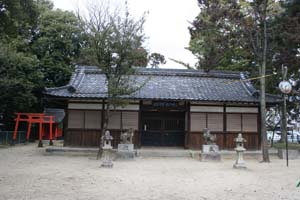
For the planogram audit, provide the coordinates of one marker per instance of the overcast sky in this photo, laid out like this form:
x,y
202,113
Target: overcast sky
x,y
166,24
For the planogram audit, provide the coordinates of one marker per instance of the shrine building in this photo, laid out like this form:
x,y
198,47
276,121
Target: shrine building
x,y
172,108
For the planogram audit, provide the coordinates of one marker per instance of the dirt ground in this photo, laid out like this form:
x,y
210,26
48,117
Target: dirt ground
x,y
26,172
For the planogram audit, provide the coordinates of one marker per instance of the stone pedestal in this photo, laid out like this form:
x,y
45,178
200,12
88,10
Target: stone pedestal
x,y
126,151
240,163
107,157
207,148
213,156
210,152
126,147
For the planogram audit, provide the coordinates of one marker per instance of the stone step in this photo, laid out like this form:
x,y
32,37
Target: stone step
x,y
163,153
60,149
155,152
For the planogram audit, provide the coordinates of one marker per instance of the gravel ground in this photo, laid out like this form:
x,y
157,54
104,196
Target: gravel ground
x,y
27,172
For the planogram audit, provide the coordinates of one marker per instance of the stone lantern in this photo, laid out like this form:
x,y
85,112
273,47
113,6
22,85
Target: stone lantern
x,y
107,150
239,141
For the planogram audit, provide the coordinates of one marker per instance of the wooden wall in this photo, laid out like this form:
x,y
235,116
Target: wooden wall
x,y
82,137
224,140
193,140
226,122
91,137
84,126
85,122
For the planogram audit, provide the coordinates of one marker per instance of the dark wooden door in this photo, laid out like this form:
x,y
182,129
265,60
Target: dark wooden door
x,y
163,129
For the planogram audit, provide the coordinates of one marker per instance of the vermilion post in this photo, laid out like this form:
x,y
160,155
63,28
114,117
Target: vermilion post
x,y
29,127
16,127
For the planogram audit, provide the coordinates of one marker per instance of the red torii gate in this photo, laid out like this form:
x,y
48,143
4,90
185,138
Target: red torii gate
x,y
39,118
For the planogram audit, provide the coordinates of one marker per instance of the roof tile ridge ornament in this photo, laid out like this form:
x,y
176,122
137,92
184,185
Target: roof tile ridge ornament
x,y
188,73
92,69
76,78
56,88
248,85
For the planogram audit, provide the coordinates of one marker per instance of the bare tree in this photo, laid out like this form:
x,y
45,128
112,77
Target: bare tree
x,y
114,44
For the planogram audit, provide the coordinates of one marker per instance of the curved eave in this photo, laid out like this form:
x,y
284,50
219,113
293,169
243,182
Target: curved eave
x,y
165,99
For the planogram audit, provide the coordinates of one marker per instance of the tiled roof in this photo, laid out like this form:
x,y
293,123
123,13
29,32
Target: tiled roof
x,y
165,84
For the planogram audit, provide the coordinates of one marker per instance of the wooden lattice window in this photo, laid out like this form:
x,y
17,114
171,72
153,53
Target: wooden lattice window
x,y
92,119
130,120
114,120
198,121
215,122
249,122
234,122
76,119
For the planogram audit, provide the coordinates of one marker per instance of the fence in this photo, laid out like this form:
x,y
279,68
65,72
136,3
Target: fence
x,y
294,138
6,137
290,138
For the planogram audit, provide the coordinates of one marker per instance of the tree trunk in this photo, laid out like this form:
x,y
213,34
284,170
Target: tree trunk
x,y
264,141
105,125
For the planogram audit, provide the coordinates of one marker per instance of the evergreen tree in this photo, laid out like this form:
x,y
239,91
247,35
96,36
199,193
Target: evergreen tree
x,y
217,36
38,46
286,37
57,44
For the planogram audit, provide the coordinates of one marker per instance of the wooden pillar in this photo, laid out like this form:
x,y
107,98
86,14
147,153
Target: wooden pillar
x,y
103,113
188,111
50,130
224,127
65,126
242,123
206,120
40,132
140,126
